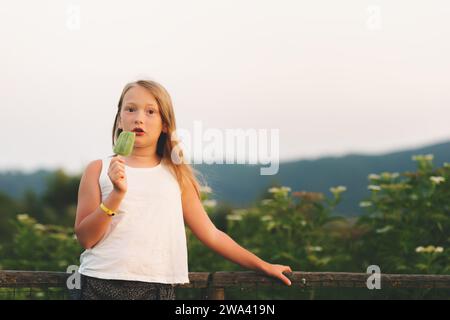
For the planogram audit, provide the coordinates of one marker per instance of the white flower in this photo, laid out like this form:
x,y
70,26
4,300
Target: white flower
x,y
237,214
386,175
437,180
266,201
283,190
39,227
374,187
266,218
315,248
389,175
234,217
429,249
414,197
384,229
419,157
373,176
205,189
420,249
364,204
338,189
240,211
210,203
23,217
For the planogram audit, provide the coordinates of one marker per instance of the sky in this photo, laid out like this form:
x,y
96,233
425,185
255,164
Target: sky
x,y
333,77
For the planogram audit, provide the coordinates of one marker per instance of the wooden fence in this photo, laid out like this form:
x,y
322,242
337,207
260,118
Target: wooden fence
x,y
213,285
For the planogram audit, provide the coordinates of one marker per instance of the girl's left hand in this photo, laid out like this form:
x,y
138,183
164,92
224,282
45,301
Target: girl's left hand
x,y
276,271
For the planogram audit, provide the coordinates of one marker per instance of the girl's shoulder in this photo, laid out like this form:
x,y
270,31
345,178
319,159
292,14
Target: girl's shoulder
x,y
97,165
94,168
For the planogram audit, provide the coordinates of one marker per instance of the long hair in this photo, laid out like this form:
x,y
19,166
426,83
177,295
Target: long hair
x,y
167,142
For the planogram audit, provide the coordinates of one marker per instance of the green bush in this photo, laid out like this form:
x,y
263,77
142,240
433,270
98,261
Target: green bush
x,y
39,247
406,229
408,220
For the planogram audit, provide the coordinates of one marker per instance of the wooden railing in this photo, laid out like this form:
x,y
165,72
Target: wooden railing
x,y
213,285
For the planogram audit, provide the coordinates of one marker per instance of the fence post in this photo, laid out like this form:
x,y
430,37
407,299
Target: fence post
x,y
212,293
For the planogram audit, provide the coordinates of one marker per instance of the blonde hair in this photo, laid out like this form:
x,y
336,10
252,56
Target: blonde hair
x,y
167,142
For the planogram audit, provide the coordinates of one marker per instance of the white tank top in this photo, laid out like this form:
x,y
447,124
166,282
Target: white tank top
x,y
146,239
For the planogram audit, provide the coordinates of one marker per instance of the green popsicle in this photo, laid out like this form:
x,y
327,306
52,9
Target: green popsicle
x,y
124,144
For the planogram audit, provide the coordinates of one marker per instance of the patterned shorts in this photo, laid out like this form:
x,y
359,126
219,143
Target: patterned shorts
x,y
103,289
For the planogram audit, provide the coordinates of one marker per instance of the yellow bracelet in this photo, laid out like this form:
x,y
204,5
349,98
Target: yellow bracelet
x,y
109,212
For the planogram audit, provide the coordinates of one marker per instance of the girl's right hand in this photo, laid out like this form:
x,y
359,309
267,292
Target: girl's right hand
x,y
116,173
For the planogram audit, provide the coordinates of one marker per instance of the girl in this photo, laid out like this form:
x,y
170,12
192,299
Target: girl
x,y
131,210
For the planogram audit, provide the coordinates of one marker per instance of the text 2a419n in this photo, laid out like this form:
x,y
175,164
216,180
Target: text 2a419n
x,y
246,309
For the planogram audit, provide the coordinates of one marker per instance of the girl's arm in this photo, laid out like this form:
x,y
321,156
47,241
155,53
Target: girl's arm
x,y
91,222
198,221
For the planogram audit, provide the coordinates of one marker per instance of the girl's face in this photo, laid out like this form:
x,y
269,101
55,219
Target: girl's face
x,y
140,109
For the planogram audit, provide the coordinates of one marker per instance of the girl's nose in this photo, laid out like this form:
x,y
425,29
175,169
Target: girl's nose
x,y
139,118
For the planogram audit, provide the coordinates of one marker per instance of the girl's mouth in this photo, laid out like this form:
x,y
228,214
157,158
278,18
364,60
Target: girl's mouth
x,y
138,131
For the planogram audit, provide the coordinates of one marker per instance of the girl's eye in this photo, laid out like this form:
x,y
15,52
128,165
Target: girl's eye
x,y
131,109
